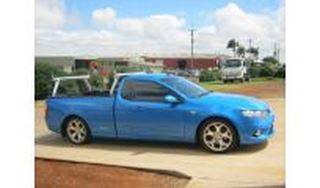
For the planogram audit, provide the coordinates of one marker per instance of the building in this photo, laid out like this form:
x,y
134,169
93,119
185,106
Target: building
x,y
84,62
88,62
184,62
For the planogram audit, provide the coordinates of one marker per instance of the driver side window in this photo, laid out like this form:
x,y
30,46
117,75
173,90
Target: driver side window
x,y
139,90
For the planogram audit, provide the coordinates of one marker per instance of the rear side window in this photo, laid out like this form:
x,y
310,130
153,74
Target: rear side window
x,y
138,90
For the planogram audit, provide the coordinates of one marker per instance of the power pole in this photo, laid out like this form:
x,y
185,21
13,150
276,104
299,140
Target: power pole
x,y
192,30
250,46
275,50
250,43
278,54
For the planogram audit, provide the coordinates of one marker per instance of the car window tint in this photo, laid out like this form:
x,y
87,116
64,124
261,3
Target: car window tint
x,y
144,91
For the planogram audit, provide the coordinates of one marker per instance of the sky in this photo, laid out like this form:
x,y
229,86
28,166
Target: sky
x,y
139,27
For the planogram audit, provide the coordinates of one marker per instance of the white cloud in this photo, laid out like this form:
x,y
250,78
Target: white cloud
x,y
164,33
234,22
264,29
104,16
151,27
49,14
114,36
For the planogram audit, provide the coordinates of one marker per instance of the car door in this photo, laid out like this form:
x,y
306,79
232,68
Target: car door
x,y
141,112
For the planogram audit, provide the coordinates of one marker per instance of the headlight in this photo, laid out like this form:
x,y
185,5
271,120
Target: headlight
x,y
254,113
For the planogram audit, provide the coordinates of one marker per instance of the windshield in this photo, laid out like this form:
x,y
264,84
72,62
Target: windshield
x,y
232,63
185,86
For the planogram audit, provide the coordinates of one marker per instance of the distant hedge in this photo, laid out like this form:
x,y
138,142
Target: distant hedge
x,y
267,70
124,69
255,70
210,75
281,72
43,79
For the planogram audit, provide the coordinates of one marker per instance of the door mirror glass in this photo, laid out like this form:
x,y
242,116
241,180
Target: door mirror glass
x,y
170,99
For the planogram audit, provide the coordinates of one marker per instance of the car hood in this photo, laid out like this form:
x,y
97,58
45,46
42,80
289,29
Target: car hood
x,y
235,101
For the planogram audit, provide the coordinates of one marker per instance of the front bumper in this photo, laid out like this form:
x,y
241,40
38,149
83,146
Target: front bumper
x,y
251,125
259,139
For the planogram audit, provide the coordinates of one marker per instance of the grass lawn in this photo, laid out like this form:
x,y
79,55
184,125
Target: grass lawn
x,y
217,85
260,87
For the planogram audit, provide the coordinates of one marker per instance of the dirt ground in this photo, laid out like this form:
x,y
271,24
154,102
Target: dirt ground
x,y
53,173
249,166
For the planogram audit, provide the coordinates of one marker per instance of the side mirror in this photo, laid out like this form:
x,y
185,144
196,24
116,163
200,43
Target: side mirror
x,y
170,99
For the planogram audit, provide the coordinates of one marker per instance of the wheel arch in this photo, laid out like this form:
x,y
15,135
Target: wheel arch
x,y
211,118
67,118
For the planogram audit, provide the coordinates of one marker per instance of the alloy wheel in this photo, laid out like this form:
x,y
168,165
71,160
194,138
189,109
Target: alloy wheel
x,y
77,131
217,136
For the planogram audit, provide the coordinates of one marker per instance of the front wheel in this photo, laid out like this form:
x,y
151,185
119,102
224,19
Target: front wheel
x,y
218,136
77,131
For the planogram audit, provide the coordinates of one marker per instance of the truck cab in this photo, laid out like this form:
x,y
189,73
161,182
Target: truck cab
x,y
235,69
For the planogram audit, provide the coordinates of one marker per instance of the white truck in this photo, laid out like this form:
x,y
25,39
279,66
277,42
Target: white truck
x,y
235,69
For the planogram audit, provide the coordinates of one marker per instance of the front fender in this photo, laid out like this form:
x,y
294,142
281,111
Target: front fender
x,y
202,116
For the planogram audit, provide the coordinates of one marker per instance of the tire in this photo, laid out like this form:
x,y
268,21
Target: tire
x,y
218,136
225,81
77,131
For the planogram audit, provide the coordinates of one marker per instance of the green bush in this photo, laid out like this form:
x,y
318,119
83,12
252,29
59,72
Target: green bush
x,y
44,83
254,71
71,88
267,70
270,59
110,80
79,72
207,75
281,72
97,83
43,79
125,69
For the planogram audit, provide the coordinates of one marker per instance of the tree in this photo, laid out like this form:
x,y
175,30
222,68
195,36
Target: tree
x,y
241,51
233,44
270,59
254,51
43,79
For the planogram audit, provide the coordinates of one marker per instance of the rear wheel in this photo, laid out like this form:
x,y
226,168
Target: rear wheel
x,y
77,131
218,136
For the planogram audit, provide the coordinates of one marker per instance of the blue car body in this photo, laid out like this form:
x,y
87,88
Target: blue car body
x,y
116,117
